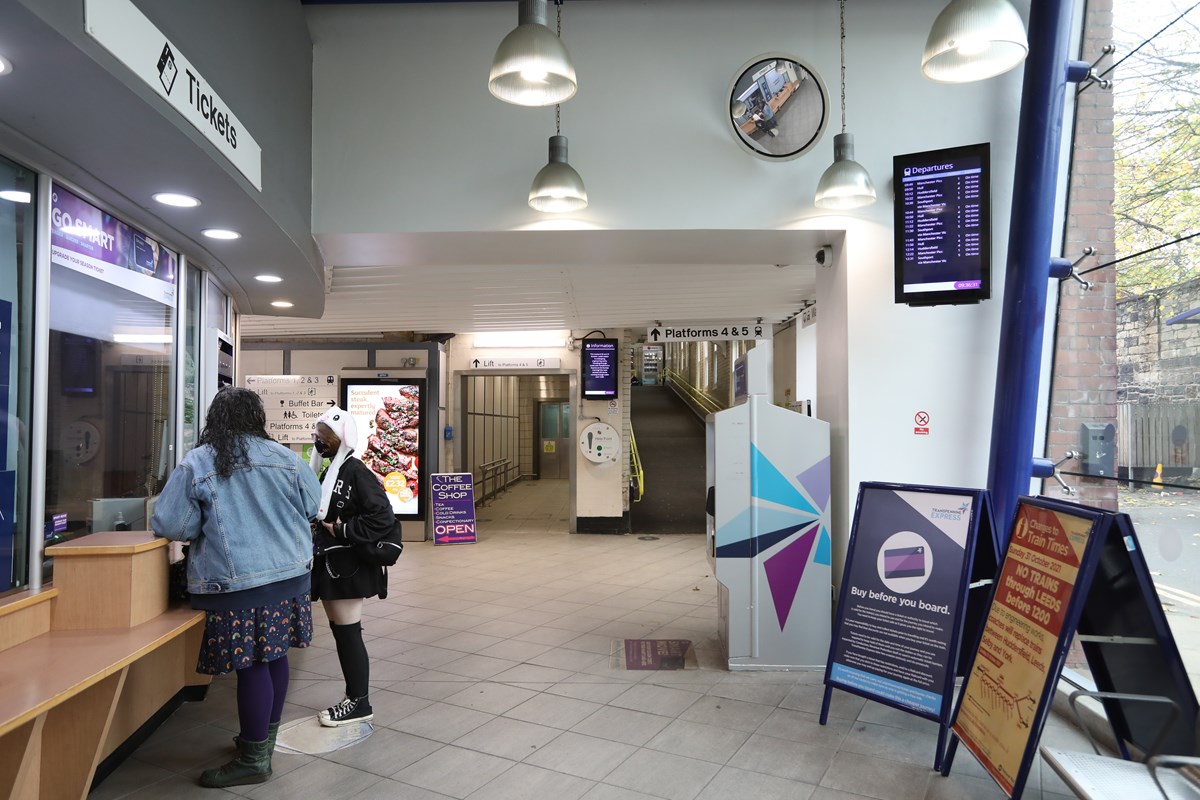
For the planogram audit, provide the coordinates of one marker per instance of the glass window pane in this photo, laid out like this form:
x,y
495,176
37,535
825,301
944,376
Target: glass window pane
x,y
217,312
549,421
191,358
17,239
111,382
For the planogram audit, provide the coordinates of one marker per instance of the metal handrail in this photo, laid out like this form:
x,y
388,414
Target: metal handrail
x,y
497,468
637,476
698,398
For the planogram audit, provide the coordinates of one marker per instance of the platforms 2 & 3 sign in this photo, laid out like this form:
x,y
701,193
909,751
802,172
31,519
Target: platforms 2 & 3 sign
x,y
294,403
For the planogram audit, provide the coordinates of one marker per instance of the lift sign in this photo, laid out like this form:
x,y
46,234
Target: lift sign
x,y
453,505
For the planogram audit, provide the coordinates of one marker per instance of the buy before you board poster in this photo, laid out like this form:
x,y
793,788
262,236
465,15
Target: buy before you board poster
x,y
899,612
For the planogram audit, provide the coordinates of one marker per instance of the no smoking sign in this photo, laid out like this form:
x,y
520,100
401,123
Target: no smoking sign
x,y
922,426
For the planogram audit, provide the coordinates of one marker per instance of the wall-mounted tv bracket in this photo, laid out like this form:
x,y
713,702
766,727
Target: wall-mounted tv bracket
x,y
1089,76
1062,269
1045,468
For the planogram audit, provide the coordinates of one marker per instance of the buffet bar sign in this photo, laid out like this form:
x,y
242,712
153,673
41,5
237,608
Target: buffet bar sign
x,y
453,504
88,240
294,403
134,40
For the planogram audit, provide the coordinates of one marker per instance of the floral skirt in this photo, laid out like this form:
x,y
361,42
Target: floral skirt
x,y
236,639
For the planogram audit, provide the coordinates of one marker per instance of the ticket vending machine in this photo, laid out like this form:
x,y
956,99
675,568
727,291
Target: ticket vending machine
x,y
768,526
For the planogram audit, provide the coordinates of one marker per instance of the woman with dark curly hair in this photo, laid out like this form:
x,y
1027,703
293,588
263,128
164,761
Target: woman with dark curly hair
x,y
244,503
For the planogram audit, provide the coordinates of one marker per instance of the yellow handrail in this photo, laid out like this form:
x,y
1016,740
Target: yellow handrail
x,y
703,401
635,467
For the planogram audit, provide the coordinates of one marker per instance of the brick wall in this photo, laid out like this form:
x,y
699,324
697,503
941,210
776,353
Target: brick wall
x,y
1084,381
1159,363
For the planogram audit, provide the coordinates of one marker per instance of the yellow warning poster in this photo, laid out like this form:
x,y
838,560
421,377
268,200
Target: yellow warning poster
x,y
1016,652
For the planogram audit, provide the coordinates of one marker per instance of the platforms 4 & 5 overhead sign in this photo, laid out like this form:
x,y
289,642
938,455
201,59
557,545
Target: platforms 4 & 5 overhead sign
x,y
707,331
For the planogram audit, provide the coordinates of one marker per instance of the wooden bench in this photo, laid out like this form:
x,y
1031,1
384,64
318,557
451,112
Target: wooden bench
x,y
85,663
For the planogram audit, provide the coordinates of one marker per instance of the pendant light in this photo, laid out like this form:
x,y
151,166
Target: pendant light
x,y
974,39
845,184
557,187
531,67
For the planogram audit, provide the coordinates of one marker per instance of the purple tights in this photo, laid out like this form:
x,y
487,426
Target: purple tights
x,y
261,689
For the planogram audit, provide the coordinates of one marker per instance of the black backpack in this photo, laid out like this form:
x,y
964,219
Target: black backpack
x,y
385,552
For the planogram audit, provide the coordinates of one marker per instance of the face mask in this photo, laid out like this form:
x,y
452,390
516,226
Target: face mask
x,y
323,449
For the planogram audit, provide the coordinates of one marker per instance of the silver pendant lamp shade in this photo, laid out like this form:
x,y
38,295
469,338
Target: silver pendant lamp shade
x,y
974,39
531,66
845,184
557,187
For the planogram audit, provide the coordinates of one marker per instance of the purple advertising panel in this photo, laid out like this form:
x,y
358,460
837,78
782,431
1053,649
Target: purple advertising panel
x,y
453,503
88,240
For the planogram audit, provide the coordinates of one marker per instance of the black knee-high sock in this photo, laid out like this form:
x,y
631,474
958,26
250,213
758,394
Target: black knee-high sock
x,y
352,653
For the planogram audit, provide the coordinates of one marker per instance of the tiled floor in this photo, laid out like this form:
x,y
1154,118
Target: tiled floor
x,y
492,680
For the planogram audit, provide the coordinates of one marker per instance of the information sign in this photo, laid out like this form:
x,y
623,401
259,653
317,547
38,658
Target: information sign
x,y
1035,604
294,403
912,554
452,502
599,368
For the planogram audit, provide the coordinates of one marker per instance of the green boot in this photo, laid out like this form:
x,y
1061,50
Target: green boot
x,y
252,765
272,735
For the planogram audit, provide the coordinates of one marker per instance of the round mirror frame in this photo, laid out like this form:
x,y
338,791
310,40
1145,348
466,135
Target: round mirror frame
x,y
760,120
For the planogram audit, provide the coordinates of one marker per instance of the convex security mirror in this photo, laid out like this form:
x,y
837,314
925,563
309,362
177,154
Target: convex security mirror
x,y
778,107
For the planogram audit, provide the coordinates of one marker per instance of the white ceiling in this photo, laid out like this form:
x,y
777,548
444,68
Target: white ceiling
x,y
530,280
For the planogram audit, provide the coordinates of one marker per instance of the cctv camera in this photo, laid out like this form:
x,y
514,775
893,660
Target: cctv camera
x,y
825,256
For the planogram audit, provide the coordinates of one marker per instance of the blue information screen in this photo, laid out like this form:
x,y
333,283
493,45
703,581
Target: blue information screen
x,y
600,366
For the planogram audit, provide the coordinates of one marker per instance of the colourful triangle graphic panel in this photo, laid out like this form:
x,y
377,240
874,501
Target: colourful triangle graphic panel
x,y
785,570
749,548
772,518
815,481
769,484
824,554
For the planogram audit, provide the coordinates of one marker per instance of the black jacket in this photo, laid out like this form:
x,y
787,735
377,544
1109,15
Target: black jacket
x,y
362,507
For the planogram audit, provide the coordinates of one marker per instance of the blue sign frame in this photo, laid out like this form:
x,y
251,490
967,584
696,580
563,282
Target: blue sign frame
x,y
978,566
1129,668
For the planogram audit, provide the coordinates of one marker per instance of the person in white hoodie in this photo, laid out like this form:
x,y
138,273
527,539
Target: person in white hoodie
x,y
354,511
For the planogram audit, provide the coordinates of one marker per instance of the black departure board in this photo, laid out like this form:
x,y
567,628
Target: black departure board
x,y
943,226
600,366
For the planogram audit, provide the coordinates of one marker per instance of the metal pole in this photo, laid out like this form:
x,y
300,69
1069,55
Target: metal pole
x,y
1028,271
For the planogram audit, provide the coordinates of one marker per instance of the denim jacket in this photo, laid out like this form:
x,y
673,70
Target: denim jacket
x,y
247,530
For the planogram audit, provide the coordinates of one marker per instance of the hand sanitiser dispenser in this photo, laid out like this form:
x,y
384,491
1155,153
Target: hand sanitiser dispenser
x,y
768,526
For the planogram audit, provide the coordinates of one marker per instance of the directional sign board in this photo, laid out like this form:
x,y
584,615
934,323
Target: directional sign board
x,y
711,331
294,403
515,362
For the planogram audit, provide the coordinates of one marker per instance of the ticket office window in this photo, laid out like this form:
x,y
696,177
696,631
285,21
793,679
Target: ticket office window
x,y
111,383
18,238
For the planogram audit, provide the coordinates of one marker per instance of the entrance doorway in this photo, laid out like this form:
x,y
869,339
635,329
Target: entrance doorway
x,y
553,438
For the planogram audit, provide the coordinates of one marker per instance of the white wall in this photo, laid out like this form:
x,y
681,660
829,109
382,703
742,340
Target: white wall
x,y
408,139
806,365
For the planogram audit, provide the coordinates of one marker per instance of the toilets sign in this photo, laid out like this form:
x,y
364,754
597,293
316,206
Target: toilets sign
x,y
714,331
